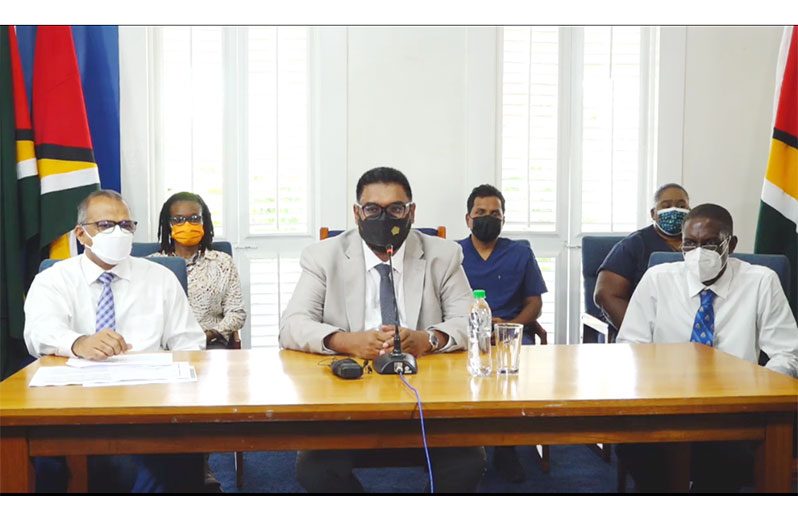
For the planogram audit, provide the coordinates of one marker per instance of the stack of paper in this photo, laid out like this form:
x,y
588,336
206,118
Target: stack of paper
x,y
124,369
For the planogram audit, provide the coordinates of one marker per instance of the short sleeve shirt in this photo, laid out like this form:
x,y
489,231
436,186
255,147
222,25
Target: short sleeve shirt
x,y
509,275
629,257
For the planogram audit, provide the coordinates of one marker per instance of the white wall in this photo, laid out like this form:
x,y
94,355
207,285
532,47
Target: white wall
x,y
407,109
730,81
423,100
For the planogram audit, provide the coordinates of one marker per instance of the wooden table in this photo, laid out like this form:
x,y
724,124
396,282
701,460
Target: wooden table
x,y
281,400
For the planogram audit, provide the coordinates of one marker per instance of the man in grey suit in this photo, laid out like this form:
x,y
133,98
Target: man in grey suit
x,y
342,304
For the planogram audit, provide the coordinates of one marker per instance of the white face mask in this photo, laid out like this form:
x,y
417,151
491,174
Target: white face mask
x,y
111,247
705,264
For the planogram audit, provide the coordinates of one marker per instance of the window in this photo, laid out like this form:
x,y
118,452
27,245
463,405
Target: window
x,y
231,121
529,126
191,101
575,145
278,129
232,114
608,80
547,316
611,128
272,282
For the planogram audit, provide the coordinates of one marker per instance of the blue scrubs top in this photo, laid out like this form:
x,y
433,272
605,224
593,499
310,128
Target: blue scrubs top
x,y
629,257
509,275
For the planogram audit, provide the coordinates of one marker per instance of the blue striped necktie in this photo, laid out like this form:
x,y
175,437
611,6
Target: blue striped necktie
x,y
106,316
704,323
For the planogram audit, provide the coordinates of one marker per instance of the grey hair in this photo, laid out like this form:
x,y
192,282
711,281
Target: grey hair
x,y
83,206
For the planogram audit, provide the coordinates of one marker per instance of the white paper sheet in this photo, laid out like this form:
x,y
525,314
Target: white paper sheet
x,y
107,375
145,358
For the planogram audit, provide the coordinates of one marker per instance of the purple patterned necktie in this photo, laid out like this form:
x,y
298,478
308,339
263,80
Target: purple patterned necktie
x,y
106,316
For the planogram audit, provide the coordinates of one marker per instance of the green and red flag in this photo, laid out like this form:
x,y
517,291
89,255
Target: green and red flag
x,y
777,228
12,230
64,155
27,173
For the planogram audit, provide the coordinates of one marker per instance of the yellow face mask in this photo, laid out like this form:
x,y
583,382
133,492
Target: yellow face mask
x,y
188,234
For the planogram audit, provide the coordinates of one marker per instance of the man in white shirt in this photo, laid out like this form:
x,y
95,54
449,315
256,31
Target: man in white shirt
x,y
343,304
722,302
104,302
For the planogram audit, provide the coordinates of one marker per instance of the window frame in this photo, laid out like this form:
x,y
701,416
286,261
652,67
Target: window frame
x,y
235,132
564,242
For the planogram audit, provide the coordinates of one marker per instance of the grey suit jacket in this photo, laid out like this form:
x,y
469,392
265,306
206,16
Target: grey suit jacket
x,y
331,290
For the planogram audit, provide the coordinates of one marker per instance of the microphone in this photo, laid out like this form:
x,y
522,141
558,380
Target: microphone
x,y
396,361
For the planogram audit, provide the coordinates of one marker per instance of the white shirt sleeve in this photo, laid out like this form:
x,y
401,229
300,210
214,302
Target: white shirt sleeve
x,y
641,314
181,330
777,331
47,314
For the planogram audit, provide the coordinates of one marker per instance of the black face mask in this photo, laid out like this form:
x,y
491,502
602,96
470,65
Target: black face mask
x,y
383,231
486,228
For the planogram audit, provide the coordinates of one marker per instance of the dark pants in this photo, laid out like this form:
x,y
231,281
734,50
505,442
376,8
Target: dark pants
x,y
454,470
140,474
715,466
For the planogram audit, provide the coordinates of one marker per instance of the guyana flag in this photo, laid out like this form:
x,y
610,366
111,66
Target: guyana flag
x,y
65,159
777,228
27,173
13,233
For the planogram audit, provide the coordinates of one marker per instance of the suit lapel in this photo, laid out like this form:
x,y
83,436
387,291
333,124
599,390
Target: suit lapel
x,y
354,282
413,278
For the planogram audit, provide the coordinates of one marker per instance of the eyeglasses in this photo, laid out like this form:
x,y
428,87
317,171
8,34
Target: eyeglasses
x,y
710,245
372,211
180,220
108,225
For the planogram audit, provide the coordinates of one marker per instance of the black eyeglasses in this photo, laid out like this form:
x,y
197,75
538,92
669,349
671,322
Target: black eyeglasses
x,y
372,211
710,245
180,220
108,225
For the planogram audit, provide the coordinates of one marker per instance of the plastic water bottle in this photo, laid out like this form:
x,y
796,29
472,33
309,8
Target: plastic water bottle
x,y
479,335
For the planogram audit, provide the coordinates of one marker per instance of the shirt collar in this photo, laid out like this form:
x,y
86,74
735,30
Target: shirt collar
x,y
372,260
92,271
720,288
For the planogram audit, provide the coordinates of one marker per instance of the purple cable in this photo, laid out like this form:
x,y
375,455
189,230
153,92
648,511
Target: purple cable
x,y
423,431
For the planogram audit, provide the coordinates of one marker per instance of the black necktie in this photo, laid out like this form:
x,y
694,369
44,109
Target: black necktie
x,y
388,311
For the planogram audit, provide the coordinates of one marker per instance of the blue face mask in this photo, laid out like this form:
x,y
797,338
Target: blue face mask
x,y
670,220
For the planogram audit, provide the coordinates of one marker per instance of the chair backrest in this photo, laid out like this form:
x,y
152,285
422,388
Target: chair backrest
x,y
143,249
440,232
779,263
176,265
594,250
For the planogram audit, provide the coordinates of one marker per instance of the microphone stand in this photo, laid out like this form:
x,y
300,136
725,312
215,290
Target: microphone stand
x,y
396,361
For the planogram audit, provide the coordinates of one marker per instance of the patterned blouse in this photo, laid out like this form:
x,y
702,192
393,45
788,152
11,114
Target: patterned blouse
x,y
214,292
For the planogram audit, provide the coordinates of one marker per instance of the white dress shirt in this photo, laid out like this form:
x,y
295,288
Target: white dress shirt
x,y
751,312
151,308
373,319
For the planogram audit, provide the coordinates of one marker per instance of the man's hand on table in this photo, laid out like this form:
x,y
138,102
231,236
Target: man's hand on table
x,y
366,345
100,346
412,341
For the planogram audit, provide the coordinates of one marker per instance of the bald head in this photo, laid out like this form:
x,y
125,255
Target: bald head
x,y
715,213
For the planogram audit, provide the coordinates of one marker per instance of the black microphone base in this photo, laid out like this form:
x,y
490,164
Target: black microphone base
x,y
391,363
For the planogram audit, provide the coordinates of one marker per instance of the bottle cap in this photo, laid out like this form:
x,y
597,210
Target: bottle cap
x,y
479,294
